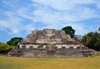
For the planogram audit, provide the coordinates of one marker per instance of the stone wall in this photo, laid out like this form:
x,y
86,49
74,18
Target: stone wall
x,y
47,45
54,52
45,50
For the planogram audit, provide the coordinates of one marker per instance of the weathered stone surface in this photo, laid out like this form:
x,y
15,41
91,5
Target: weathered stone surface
x,y
50,43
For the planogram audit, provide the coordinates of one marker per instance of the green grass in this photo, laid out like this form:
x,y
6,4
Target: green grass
x,y
49,63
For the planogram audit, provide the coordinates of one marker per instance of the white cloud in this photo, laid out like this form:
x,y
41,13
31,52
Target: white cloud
x,y
64,4
9,33
25,13
12,22
76,14
63,13
2,29
29,27
6,2
15,31
98,5
35,4
53,19
46,14
52,14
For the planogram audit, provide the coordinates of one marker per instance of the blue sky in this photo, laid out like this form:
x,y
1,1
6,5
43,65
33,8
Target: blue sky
x,y
20,17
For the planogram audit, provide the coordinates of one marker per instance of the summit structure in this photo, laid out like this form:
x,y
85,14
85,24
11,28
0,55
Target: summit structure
x,y
50,43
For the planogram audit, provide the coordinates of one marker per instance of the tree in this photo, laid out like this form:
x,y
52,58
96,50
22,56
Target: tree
x,y
99,29
92,40
14,41
97,44
87,41
4,48
69,30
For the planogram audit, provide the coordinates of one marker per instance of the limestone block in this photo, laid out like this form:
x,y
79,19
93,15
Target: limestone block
x,y
62,32
49,32
24,39
68,36
58,46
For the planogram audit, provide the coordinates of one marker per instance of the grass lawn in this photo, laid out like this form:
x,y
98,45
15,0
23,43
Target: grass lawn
x,y
49,63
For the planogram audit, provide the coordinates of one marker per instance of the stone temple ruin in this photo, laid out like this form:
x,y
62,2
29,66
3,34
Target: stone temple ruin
x,y
50,43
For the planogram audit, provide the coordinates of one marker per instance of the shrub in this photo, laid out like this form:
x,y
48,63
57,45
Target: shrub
x,y
4,48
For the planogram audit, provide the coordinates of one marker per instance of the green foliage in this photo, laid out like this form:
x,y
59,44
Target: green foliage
x,y
69,30
97,44
14,41
94,42
4,48
99,29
